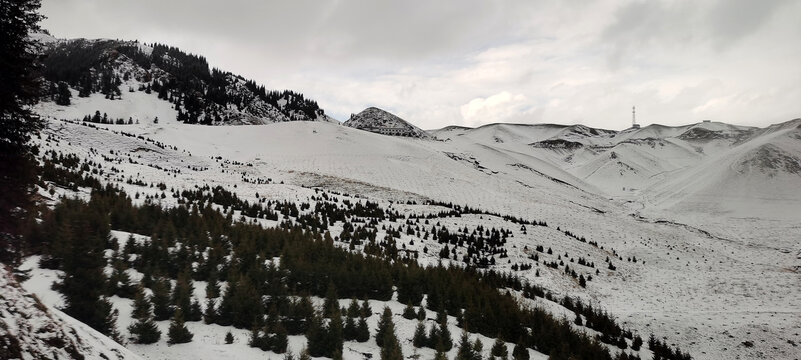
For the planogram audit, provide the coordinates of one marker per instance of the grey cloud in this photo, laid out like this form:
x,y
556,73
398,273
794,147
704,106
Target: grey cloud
x,y
732,20
561,61
337,30
679,25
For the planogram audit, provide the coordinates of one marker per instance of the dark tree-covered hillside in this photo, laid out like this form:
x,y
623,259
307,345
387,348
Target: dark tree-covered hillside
x,y
202,95
273,299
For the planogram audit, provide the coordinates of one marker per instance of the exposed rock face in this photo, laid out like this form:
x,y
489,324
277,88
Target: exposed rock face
x,y
381,122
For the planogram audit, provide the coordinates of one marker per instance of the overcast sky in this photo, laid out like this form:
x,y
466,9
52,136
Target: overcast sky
x,y
465,62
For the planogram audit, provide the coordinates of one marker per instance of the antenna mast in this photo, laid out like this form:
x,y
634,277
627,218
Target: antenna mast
x,y
633,117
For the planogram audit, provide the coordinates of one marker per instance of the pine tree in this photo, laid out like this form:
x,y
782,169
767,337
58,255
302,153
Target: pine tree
x,y
316,337
178,333
445,335
62,95
334,334
433,339
350,330
280,340
331,304
161,300
636,344
478,349
466,350
229,338
83,282
300,315
119,283
195,312
256,340
383,324
272,319
408,312
109,320
366,311
362,331
520,352
499,349
210,313
241,304
421,313
212,287
390,347
652,341
18,89
621,342
144,330
419,340
181,296
440,355
353,309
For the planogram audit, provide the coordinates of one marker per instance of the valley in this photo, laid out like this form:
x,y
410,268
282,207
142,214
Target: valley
x,y
254,222
691,262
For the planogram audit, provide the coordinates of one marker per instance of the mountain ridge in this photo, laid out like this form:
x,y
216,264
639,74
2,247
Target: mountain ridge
x,y
200,94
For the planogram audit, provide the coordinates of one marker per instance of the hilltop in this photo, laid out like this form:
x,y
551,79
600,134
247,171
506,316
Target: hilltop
x,y
379,121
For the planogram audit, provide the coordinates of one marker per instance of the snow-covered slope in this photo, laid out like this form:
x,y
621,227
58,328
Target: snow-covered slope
x,y
382,122
665,165
30,329
760,176
703,264
710,211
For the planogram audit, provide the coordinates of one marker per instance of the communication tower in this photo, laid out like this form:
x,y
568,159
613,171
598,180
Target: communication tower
x,y
634,118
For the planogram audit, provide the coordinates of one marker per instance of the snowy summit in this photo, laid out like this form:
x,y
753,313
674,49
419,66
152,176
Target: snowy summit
x,y
380,121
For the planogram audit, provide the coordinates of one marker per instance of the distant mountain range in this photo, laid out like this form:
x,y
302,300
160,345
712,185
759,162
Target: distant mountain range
x,y
667,164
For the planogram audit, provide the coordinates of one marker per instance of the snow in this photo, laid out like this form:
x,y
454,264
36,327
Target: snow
x,y
43,38
41,282
145,49
137,105
755,179
716,240
45,332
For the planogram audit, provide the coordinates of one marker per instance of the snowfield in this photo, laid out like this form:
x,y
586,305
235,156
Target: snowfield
x,y
712,216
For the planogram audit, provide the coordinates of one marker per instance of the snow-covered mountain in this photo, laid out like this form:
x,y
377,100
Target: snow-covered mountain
x,y
382,122
117,69
757,175
665,165
700,221
508,177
